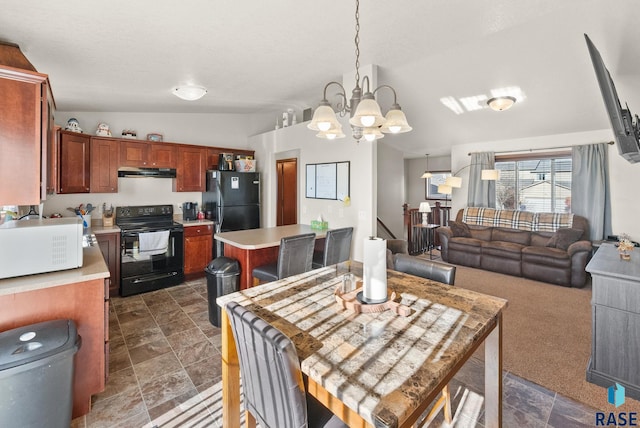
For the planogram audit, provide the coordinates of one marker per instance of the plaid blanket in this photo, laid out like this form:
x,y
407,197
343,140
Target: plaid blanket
x,y
515,219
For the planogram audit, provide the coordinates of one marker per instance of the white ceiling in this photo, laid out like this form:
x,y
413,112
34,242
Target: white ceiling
x,y
266,56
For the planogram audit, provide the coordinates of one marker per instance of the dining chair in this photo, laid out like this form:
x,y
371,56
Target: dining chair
x,y
337,248
294,256
441,272
272,382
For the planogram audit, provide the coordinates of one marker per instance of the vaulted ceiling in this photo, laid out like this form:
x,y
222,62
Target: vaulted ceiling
x,y
259,57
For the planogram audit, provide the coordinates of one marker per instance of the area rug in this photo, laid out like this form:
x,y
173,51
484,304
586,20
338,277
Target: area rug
x,y
546,334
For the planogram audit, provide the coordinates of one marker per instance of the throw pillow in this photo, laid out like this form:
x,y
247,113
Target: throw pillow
x,y
460,229
564,237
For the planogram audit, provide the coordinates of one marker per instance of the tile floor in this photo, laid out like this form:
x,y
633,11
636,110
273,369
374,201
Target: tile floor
x,y
165,371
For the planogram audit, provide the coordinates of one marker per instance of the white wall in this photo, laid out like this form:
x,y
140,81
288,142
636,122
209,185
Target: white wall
x,y
391,188
624,176
218,130
299,142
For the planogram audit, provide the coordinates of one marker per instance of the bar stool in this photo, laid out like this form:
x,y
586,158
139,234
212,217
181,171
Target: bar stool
x,y
294,256
337,248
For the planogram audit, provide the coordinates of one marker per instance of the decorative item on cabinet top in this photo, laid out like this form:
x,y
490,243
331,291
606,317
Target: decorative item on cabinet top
x,y
128,133
154,137
103,130
73,125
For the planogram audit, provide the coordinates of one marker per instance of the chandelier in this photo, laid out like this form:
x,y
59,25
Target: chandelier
x,y
366,119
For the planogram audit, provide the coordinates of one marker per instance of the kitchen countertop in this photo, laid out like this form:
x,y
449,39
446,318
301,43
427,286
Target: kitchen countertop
x,y
187,223
254,239
93,267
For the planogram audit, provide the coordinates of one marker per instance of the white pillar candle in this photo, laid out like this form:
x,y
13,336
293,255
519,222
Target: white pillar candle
x,y
375,270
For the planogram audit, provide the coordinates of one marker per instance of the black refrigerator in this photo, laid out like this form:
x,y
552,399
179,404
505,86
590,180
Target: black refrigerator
x,y
233,199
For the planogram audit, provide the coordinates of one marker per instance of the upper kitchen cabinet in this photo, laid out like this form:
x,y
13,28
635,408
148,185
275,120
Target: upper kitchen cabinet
x,y
213,155
162,155
105,157
191,170
145,154
26,125
74,157
134,153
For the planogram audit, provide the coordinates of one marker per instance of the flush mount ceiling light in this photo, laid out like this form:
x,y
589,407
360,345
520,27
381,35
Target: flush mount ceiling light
x,y
501,103
190,92
365,116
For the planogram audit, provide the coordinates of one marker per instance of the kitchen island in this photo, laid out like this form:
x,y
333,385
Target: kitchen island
x,y
79,294
257,247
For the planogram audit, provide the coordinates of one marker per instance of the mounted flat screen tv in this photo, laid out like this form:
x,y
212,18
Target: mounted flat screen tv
x,y
624,125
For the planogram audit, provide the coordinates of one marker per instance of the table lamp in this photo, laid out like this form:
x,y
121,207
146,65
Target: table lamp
x,y
425,208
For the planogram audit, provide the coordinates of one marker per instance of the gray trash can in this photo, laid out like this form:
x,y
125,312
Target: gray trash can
x,y
36,374
223,277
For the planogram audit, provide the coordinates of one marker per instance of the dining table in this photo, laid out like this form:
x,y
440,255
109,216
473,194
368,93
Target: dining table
x,y
373,369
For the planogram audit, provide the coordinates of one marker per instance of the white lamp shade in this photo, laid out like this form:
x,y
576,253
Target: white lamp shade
x,y
368,114
426,174
332,134
453,182
372,134
395,122
444,189
424,207
490,174
324,118
189,93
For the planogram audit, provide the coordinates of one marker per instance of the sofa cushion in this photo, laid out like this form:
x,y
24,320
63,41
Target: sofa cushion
x,y
511,235
540,239
502,249
459,228
564,237
465,244
547,256
482,233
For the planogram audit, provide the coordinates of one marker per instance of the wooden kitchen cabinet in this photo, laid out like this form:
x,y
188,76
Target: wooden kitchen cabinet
x,y
105,158
109,244
134,153
213,154
26,125
198,244
144,154
74,160
192,169
162,155
85,303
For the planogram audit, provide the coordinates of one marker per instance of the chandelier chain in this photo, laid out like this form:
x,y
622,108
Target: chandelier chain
x,y
357,40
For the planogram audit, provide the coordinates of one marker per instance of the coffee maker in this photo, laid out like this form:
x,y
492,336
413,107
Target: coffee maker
x,y
189,211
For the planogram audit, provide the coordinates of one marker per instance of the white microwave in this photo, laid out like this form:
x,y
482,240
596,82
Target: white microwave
x,y
42,245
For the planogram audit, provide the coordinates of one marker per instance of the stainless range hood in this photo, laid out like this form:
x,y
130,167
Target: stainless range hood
x,y
147,172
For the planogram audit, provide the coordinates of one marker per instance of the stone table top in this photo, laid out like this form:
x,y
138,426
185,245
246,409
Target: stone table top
x,y
254,239
381,365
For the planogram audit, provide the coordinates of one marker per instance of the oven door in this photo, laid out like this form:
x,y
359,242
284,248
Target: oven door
x,y
143,271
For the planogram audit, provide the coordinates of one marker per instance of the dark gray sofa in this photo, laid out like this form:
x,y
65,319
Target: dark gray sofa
x,y
520,252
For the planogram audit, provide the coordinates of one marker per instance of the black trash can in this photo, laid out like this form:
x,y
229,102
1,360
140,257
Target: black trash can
x,y
36,374
223,277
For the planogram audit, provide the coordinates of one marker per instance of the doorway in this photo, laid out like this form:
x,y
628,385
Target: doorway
x,y
287,203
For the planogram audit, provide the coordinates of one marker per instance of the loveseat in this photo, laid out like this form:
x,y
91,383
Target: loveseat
x,y
548,247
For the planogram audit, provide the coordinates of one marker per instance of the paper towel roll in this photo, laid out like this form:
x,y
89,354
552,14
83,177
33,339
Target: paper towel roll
x,y
375,270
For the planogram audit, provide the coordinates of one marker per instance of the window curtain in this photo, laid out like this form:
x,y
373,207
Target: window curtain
x,y
482,193
590,195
